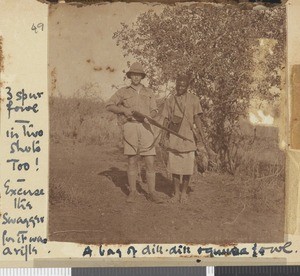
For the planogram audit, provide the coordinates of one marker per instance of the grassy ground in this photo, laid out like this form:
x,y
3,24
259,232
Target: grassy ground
x,y
88,188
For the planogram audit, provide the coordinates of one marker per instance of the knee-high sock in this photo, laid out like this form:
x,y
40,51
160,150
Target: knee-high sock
x,y
150,176
132,174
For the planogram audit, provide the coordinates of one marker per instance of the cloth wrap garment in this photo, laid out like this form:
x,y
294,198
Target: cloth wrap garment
x,y
181,155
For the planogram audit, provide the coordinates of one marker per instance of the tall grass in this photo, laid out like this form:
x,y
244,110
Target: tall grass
x,y
82,120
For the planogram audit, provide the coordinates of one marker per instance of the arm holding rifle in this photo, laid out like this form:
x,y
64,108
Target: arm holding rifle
x,y
130,113
120,109
115,105
144,118
153,111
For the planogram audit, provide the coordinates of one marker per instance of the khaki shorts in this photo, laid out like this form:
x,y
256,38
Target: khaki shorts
x,y
138,139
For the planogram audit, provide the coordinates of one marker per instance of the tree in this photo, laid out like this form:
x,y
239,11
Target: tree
x,y
216,44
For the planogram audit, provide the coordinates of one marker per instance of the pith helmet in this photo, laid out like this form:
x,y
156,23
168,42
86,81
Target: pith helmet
x,y
136,68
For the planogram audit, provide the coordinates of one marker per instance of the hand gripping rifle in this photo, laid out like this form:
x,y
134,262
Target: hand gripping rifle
x,y
141,118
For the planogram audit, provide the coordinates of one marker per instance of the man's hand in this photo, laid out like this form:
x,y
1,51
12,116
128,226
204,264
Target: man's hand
x,y
127,112
164,142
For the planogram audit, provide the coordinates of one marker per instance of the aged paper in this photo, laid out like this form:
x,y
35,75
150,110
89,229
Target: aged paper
x,y
87,75
63,172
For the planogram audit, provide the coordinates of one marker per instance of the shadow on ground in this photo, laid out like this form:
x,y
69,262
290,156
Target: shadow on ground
x,y
119,179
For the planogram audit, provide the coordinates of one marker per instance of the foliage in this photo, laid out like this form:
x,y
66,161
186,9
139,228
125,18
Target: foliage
x,y
217,45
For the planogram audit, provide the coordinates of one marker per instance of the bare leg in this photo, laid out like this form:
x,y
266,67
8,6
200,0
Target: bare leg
x,y
186,181
176,183
139,171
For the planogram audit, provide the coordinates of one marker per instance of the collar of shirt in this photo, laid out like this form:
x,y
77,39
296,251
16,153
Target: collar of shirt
x,y
142,87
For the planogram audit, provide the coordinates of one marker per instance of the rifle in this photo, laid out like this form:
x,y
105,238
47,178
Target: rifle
x,y
141,117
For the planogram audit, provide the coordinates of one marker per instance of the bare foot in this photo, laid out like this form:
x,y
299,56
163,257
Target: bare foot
x,y
183,198
132,197
174,199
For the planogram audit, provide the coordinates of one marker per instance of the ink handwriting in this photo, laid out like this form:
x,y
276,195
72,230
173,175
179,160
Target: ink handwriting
x,y
24,142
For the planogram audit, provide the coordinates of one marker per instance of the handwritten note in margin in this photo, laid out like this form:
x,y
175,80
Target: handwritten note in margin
x,y
24,129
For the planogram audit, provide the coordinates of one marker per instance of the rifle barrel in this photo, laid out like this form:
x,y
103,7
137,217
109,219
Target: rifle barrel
x,y
155,123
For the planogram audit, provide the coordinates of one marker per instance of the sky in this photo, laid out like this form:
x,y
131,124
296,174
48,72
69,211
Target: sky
x,y
81,49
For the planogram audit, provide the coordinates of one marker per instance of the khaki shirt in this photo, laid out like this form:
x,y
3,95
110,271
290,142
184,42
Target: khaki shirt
x,y
142,101
190,105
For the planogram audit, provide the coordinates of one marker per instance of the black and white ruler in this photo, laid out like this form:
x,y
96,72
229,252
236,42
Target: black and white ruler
x,y
157,271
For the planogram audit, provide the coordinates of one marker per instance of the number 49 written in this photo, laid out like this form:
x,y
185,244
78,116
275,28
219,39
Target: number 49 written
x,y
37,28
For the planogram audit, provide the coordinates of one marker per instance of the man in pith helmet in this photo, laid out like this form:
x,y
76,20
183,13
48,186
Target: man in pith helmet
x,y
138,136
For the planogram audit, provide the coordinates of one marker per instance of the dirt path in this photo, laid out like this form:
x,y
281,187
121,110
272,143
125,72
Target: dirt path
x,y
88,204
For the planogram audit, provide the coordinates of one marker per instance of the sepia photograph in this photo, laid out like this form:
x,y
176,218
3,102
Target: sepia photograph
x,y
167,123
